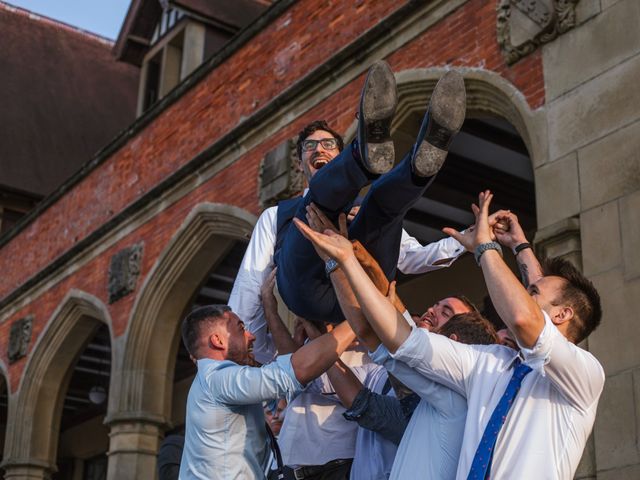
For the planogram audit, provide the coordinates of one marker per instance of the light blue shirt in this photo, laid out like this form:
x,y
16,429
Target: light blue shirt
x,y
432,441
225,434
374,454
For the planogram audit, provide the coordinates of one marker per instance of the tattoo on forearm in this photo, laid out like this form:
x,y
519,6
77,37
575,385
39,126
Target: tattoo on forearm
x,y
524,274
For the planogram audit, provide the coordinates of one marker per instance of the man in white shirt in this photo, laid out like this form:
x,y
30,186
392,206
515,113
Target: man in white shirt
x,y
428,439
335,178
225,433
553,409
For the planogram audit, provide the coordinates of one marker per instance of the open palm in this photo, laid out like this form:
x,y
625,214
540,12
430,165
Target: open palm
x,y
329,243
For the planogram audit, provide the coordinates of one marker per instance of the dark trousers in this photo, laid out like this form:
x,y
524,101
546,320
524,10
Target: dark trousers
x,y
302,282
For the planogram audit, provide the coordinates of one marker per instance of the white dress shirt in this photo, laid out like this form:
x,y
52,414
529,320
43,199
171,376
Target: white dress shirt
x,y
550,420
314,431
258,263
431,443
225,433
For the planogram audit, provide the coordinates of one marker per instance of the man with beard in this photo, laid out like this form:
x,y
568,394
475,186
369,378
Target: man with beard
x,y
226,435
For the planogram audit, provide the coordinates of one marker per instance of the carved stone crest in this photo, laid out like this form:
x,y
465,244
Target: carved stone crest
x,y
280,175
524,25
19,338
124,271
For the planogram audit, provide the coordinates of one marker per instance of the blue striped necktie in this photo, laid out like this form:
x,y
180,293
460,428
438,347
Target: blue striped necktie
x,y
482,459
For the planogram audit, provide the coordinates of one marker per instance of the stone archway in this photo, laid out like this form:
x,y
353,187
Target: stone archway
x,y
140,403
36,407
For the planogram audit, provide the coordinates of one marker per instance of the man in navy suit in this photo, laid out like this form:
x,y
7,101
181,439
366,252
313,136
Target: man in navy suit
x,y
335,175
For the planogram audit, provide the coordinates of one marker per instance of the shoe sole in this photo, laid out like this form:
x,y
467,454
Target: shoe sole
x,y
378,104
444,119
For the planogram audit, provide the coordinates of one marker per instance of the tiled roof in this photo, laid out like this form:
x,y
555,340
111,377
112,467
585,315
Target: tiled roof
x,y
63,97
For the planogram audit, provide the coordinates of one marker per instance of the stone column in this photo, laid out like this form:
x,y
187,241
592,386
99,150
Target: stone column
x,y
133,446
27,469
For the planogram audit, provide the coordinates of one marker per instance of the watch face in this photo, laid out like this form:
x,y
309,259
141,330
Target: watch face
x,y
330,265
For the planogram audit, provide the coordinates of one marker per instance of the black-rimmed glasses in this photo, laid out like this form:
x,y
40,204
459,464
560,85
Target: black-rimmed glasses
x,y
327,144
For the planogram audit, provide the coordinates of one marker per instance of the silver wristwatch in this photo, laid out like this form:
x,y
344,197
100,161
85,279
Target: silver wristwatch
x,y
483,247
329,266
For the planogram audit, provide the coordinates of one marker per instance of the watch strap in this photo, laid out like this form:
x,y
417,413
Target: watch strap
x,y
483,247
522,246
329,266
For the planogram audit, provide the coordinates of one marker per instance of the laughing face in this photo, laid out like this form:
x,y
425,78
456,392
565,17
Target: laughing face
x,y
440,313
239,341
316,158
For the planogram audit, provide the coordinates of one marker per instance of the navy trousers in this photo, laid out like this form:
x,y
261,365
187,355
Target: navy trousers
x,y
302,282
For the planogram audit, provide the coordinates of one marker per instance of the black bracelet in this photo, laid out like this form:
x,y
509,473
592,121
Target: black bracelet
x,y
522,246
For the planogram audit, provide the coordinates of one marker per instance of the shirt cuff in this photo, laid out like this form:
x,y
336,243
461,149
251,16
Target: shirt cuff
x,y
284,362
380,355
538,355
359,405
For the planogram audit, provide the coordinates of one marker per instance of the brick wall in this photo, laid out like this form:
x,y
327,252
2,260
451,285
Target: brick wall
x,y
300,40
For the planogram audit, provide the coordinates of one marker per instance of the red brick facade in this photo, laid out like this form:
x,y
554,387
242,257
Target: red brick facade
x,y
303,38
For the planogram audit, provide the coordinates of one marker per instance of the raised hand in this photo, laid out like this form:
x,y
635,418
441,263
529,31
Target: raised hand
x,y
320,223
328,244
508,230
267,296
312,331
299,332
481,231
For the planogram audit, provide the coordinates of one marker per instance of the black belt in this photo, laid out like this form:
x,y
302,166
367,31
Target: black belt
x,y
307,471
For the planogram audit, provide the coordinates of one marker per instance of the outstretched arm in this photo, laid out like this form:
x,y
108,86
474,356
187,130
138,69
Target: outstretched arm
x,y
513,303
510,234
313,359
344,382
388,324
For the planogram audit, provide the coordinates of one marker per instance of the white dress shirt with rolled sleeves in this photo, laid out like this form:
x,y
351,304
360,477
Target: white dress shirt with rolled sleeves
x,y
552,416
258,263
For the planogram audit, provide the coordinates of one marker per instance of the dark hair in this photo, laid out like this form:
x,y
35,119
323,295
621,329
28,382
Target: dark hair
x,y
470,328
192,324
468,303
312,127
578,293
489,312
